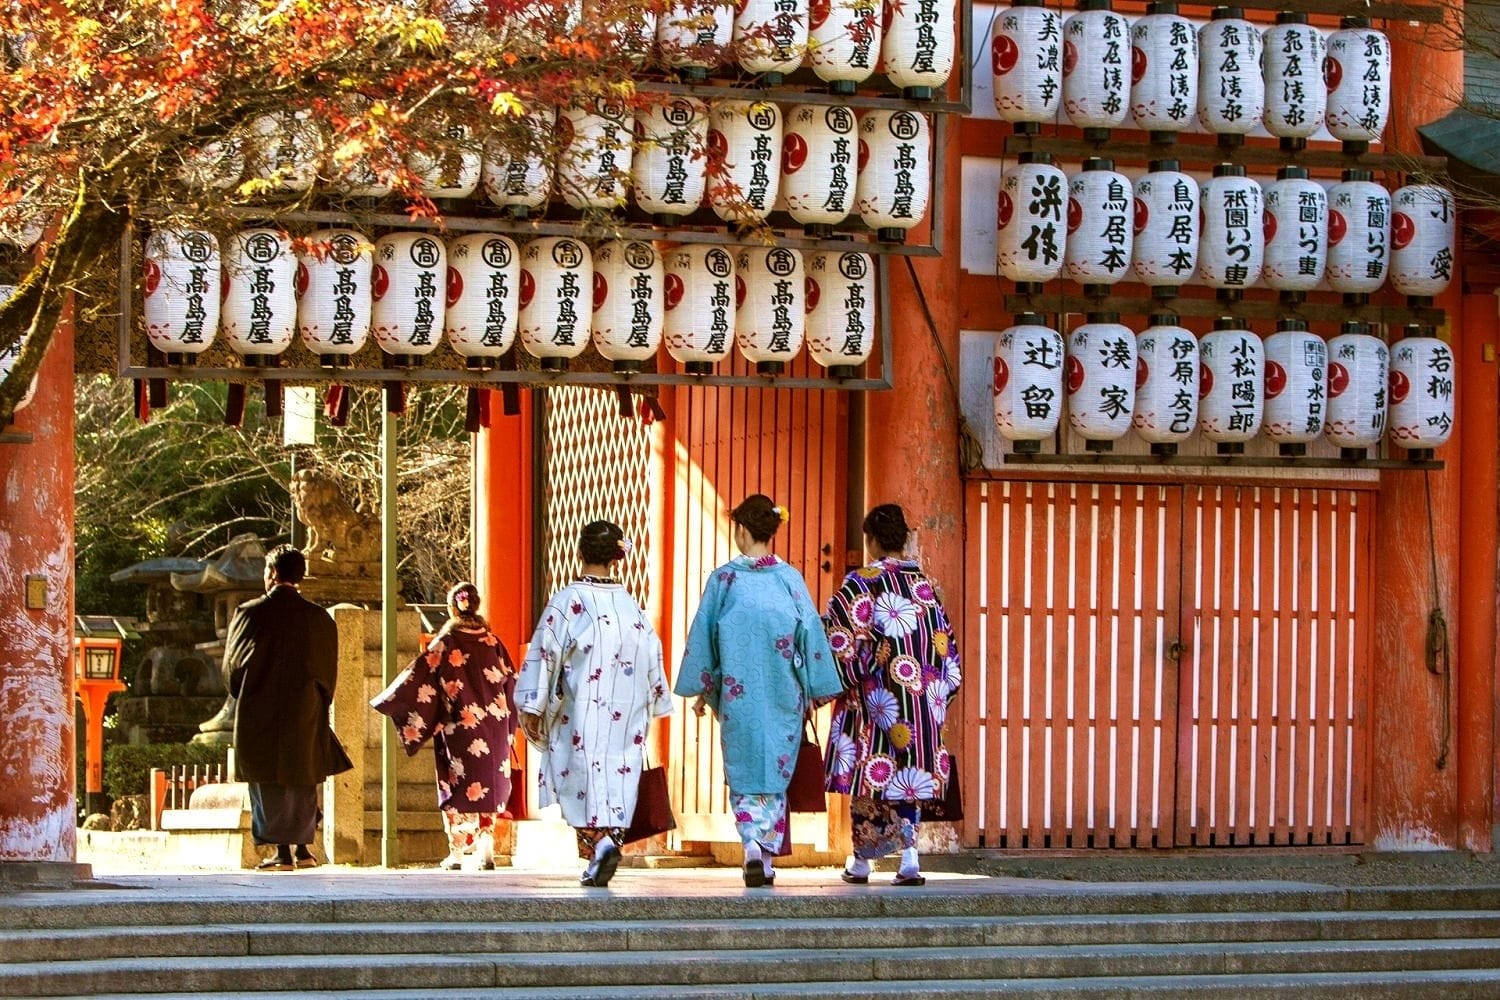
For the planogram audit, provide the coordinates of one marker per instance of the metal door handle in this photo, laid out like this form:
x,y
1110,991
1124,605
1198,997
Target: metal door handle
x,y
1174,650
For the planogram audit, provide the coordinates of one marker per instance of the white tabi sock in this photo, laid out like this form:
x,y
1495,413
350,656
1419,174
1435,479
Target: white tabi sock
x,y
753,853
605,843
859,868
909,865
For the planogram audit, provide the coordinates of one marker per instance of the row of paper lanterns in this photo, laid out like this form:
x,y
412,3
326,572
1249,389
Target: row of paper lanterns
x,y
1229,386
483,292
1160,72
1164,230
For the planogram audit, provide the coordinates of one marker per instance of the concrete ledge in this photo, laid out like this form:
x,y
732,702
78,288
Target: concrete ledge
x,y
43,874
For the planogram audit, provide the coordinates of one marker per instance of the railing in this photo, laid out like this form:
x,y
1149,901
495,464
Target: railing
x,y
173,787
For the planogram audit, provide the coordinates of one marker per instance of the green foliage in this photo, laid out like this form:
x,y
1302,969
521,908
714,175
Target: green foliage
x,y
127,768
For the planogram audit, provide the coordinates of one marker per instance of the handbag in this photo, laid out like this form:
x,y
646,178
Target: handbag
x,y
805,792
653,807
949,808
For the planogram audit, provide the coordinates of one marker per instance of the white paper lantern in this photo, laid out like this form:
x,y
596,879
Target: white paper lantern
x,y
1165,251
1422,236
451,165
1358,390
1030,232
334,294
1095,69
1101,374
700,306
1296,232
1357,74
1100,224
918,47
518,166
557,281
895,175
409,280
1296,383
1423,377
1231,396
1231,89
1296,98
217,165
819,166
1231,247
286,149
531,26
691,36
484,297
180,278
629,28
1163,70
628,293
843,41
771,320
744,141
258,315
839,295
667,172
1166,390
11,356
1026,57
770,37
23,223
1359,234
594,152
1028,382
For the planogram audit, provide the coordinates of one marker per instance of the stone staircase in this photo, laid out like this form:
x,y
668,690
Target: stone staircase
x,y
672,934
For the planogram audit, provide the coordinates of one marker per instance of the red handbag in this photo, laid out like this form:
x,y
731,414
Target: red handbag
x,y
805,793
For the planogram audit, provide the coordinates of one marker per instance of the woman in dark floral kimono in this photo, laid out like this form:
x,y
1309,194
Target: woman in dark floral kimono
x,y
459,692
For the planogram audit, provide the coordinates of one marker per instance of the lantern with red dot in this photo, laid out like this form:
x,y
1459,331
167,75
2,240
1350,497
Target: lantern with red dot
x,y
448,164
1231,395
819,166
744,148
843,41
691,36
1028,382
1296,97
333,294
700,301
285,149
1232,248
1163,71
1231,89
1165,251
1359,235
180,277
594,151
557,282
1296,233
771,320
840,302
483,307
1166,384
1423,374
1296,387
1030,229
1101,374
1422,235
258,316
1357,73
1100,209
11,356
409,282
667,170
628,292
1026,57
895,176
918,47
518,163
1095,69
1358,388
770,38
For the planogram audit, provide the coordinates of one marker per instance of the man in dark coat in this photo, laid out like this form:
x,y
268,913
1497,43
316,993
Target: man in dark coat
x,y
282,656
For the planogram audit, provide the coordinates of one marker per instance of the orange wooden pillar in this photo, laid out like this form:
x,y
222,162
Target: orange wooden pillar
x,y
38,820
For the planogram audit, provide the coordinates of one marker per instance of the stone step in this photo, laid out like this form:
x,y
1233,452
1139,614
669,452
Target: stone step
x,y
718,967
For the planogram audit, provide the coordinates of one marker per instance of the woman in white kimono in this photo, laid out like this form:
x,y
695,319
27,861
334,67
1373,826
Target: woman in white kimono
x,y
591,684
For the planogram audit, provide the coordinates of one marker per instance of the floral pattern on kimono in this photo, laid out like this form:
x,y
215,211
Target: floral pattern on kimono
x,y
594,675
762,819
757,654
898,659
458,693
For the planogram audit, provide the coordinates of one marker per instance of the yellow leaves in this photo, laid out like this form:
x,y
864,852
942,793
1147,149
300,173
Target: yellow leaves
x,y
507,104
422,33
256,187
624,89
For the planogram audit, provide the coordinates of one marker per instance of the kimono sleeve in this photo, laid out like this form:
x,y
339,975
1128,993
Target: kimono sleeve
x,y
551,644
701,672
656,678
819,677
945,644
412,701
849,640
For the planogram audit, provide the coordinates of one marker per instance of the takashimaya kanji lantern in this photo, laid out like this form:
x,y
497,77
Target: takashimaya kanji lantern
x,y
1231,89
1423,229
1296,97
258,316
700,301
409,280
819,166
1296,233
1026,56
484,297
216,165
691,36
557,283
1030,228
369,174
1358,387
285,148
1165,251
1101,375
1296,382
1359,235
594,152
895,172
334,268
1028,382
843,41
667,171
918,46
744,143
770,37
1166,384
1163,71
1422,379
771,318
1231,246
517,169
629,288
11,356
449,165
840,300
180,278
1100,225
1096,69
1231,392
1357,72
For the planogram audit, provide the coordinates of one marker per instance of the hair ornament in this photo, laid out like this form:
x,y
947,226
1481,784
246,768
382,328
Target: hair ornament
x,y
781,511
626,547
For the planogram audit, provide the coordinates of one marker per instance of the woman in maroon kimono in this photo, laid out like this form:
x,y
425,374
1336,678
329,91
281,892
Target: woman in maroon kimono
x,y
459,692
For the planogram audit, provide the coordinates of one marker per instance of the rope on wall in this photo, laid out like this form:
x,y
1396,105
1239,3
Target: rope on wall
x,y
1438,651
970,450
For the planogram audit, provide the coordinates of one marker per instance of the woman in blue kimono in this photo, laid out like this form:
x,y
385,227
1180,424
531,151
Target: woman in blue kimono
x,y
757,656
